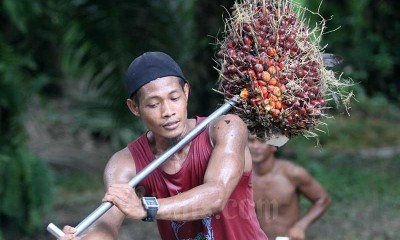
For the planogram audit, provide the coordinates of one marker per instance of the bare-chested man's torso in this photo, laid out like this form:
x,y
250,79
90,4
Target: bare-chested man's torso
x,y
276,199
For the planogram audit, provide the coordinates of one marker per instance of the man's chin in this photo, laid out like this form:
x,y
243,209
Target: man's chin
x,y
173,138
256,160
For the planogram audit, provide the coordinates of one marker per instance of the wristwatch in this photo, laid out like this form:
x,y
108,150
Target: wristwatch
x,y
150,204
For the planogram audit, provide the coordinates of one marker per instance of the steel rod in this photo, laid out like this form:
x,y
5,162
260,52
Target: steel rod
x,y
104,207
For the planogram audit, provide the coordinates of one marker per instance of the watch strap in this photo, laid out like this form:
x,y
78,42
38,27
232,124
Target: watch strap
x,y
151,214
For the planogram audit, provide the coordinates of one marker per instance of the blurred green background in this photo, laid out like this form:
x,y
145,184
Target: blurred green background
x,y
63,112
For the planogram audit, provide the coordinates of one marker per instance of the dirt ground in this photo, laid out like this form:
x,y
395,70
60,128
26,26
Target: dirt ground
x,y
75,208
368,220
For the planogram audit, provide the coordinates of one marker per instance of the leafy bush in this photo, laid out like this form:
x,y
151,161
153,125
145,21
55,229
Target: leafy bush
x,y
25,192
25,189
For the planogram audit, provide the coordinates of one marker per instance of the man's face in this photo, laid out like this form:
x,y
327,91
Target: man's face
x,y
260,151
163,106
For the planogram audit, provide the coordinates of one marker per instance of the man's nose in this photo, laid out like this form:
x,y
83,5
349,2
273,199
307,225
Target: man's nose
x,y
167,110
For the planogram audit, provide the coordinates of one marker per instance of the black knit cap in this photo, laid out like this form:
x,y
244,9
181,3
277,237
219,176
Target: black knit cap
x,y
148,67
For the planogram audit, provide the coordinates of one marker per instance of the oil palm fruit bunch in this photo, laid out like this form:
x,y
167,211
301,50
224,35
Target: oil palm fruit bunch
x,y
271,58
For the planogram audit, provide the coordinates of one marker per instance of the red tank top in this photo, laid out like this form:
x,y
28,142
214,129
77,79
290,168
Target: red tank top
x,y
238,219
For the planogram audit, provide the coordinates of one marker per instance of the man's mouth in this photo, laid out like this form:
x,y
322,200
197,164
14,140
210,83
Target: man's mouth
x,y
171,125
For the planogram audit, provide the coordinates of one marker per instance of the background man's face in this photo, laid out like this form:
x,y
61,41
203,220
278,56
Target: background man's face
x,y
260,151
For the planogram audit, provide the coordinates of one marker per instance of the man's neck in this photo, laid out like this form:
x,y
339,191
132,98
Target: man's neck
x,y
264,167
160,144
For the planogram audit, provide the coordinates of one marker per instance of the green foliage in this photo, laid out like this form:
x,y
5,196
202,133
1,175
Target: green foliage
x,y
95,63
372,123
25,192
365,35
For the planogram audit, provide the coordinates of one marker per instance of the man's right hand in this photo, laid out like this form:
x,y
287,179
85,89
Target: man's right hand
x,y
125,199
69,234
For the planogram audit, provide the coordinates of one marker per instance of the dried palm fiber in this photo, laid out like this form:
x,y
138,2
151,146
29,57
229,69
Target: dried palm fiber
x,y
272,59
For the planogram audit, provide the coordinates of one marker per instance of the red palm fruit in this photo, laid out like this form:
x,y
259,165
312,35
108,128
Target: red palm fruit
x,y
262,83
273,81
271,103
272,70
258,68
257,25
301,73
264,91
244,94
301,95
247,40
273,97
247,27
240,54
301,111
232,54
232,69
220,54
272,39
277,91
271,51
246,48
270,62
278,104
296,104
252,74
275,113
315,103
265,76
271,88
290,38
287,45
311,95
231,44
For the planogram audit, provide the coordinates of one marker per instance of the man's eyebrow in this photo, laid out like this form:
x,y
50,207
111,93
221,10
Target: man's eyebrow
x,y
150,96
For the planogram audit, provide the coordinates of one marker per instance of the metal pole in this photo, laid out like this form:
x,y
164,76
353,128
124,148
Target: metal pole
x,y
104,207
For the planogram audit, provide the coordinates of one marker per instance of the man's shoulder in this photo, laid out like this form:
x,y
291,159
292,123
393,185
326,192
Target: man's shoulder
x,y
289,167
122,156
230,121
227,124
120,168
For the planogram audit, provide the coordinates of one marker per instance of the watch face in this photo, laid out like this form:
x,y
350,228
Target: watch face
x,y
150,201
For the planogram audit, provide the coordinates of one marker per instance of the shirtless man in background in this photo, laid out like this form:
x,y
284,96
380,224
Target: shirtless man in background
x,y
277,187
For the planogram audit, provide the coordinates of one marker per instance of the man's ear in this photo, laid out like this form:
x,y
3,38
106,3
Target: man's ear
x,y
186,89
133,107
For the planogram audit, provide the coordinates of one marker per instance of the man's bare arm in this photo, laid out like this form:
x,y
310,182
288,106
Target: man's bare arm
x,y
119,170
312,190
225,168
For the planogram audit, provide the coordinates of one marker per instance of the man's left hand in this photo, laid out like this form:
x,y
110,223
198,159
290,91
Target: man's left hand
x,y
297,233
